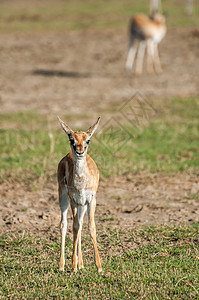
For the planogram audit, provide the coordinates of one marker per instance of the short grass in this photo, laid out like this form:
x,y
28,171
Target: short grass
x,y
32,145
142,263
76,14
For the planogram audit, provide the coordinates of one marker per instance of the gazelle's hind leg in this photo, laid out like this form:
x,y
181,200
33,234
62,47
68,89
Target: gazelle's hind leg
x,y
92,229
150,57
140,57
158,67
131,55
64,204
78,215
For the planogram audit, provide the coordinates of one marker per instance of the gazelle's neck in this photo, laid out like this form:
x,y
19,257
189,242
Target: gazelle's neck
x,y
80,165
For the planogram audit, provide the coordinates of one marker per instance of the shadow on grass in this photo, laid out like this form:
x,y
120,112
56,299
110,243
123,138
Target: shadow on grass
x,y
49,73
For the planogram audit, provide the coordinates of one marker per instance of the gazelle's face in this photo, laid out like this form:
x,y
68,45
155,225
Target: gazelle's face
x,y
79,142
159,18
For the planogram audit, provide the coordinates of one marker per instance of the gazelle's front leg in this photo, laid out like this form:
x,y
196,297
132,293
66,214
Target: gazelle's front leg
x,y
64,204
92,229
140,57
158,67
150,56
78,215
131,55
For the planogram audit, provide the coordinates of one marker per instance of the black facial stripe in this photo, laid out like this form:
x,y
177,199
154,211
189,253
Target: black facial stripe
x,y
72,141
74,147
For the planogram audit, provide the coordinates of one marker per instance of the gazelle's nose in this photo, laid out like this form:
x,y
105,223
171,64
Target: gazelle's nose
x,y
80,148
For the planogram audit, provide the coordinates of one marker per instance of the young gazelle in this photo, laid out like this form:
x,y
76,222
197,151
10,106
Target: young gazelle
x,y
149,32
78,179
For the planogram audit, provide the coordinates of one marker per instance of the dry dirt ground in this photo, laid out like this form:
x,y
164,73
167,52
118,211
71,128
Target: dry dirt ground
x,y
126,201
82,72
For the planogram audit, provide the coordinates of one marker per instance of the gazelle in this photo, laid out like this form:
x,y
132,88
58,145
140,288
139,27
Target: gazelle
x,y
149,32
78,179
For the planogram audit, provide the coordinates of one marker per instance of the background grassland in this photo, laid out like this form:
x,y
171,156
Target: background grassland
x,y
33,145
147,263
77,14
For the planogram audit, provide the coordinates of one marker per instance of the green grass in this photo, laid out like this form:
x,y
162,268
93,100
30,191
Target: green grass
x,y
142,263
77,14
32,145
169,143
159,262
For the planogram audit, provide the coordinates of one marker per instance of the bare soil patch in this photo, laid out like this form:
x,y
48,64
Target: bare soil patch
x,y
82,72
144,199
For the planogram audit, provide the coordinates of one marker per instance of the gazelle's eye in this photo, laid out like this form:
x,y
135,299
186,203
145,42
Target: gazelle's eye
x,y
87,142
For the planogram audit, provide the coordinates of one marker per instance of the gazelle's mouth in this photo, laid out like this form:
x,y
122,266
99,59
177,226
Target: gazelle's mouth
x,y
79,154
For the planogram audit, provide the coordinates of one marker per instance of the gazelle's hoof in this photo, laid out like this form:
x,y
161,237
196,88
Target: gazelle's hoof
x,y
128,69
81,267
74,270
138,73
159,71
150,71
61,269
99,270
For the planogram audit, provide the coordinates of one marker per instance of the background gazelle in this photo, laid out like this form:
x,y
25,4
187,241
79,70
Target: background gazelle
x,y
78,179
149,32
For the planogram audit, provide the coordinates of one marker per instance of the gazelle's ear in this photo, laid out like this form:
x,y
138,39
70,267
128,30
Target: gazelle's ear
x,y
92,129
65,127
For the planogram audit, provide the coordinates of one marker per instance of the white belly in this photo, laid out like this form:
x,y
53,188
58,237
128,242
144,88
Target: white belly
x,y
159,36
83,196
